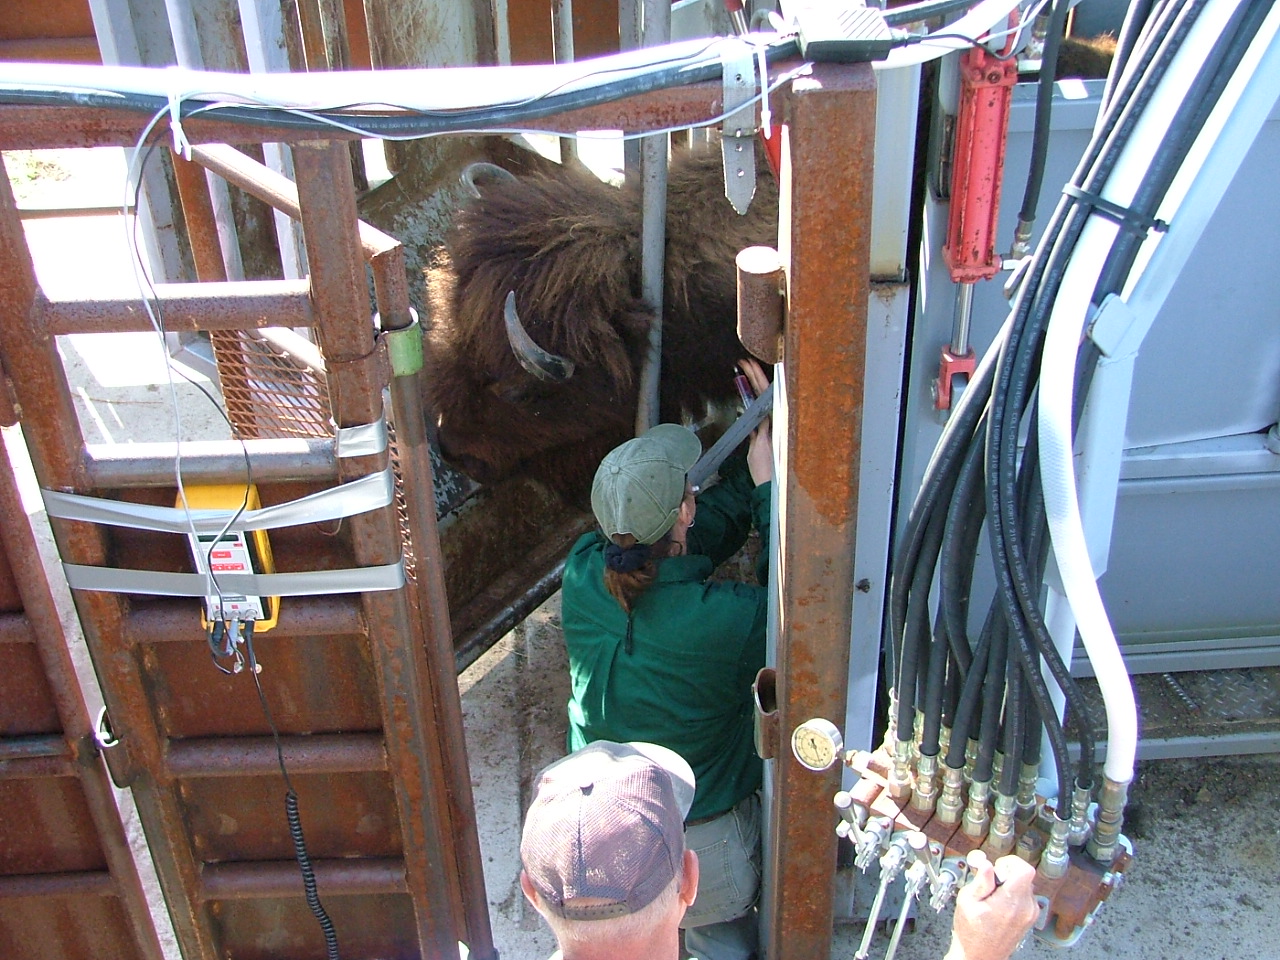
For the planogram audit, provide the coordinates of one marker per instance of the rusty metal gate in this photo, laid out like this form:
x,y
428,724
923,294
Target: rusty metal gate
x,y
360,686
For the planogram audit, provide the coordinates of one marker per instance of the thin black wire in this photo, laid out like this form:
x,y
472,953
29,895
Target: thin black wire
x,y
152,296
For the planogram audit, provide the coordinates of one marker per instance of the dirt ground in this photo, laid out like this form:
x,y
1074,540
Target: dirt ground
x,y
1205,884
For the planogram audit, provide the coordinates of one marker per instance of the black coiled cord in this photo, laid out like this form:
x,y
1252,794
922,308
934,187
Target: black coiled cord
x,y
309,875
293,817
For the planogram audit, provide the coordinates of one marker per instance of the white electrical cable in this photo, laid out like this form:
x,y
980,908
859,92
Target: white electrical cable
x,y
982,18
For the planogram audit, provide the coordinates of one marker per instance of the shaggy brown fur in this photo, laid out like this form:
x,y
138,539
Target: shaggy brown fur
x,y
569,246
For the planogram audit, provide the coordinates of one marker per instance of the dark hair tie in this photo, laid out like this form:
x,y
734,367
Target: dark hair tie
x,y
626,560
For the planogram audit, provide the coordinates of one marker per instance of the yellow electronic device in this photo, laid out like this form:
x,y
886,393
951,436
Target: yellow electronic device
x,y
235,552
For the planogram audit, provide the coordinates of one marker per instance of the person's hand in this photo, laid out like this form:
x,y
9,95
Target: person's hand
x,y
760,449
991,919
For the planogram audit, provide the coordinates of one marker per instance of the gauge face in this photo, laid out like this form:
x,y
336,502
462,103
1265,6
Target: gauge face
x,y
817,744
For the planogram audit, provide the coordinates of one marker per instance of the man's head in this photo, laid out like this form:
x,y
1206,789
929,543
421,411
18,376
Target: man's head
x,y
603,844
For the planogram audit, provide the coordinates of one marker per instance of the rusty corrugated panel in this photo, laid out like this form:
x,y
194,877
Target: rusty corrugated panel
x,y
68,886
828,136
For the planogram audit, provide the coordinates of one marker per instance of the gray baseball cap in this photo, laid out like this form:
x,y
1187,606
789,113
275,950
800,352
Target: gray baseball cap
x,y
604,835
640,484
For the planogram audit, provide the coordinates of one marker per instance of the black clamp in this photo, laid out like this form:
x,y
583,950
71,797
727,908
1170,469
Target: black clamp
x,y
1129,220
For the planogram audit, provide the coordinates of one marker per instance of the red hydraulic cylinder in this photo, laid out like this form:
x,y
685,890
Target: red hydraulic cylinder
x,y
986,89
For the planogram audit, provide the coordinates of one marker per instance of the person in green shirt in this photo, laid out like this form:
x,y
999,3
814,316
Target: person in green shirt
x,y
660,653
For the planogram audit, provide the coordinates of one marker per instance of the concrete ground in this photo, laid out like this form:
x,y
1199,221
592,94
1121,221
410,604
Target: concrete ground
x,y
1206,882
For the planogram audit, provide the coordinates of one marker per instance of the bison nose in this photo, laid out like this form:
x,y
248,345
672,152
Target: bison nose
x,y
475,468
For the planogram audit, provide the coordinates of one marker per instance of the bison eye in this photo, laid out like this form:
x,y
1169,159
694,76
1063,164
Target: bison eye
x,y
516,390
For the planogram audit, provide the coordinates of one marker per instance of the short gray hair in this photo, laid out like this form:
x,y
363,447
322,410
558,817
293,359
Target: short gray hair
x,y
627,927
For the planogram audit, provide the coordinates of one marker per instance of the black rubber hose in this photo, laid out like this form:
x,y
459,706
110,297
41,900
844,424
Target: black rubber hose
x,y
1212,76
1044,110
1014,729
951,692
916,627
1012,390
960,540
937,484
1135,20
992,701
971,694
1031,733
935,678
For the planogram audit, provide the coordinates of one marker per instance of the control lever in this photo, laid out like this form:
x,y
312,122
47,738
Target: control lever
x,y
875,840
917,874
892,862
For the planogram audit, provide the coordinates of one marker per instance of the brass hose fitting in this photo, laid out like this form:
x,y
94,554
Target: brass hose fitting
x,y
1000,838
950,805
976,817
900,774
1081,829
1054,861
1027,792
925,795
1106,832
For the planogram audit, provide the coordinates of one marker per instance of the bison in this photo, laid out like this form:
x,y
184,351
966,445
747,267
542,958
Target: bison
x,y
546,384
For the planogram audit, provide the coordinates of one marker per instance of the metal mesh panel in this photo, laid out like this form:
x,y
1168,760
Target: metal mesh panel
x,y
270,394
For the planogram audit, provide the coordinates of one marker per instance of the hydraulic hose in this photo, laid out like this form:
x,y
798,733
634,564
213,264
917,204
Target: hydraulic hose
x,y
1044,110
1096,249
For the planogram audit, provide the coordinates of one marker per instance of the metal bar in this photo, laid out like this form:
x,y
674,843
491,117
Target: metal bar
x,y
33,746
24,127
828,142
112,465
356,381
256,756
1205,745
171,621
187,306
92,883
201,220
278,879
432,604
50,425
63,213
37,768
15,628
277,190
655,30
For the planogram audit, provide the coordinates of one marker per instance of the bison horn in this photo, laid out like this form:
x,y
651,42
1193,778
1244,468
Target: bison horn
x,y
543,365
474,172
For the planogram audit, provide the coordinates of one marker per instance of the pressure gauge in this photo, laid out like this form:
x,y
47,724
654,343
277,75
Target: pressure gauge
x,y
817,744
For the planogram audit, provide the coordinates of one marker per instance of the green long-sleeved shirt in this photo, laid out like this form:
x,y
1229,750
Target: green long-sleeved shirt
x,y
683,679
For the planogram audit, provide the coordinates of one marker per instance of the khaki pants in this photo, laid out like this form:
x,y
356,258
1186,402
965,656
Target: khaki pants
x,y
722,923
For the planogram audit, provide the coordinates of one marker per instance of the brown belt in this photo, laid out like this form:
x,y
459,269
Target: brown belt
x,y
701,820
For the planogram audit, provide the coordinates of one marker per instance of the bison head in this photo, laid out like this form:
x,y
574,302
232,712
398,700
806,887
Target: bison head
x,y
538,327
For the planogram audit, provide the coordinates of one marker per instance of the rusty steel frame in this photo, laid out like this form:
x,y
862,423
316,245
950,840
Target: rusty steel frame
x,y
824,239
73,753
828,133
